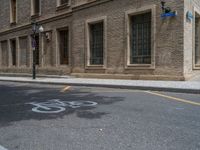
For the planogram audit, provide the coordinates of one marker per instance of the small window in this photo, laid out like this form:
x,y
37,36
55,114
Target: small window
x,y
96,39
64,2
13,51
24,53
64,47
140,52
4,54
36,44
36,7
13,12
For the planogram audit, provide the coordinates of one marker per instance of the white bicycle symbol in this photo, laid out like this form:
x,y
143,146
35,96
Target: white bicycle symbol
x,y
57,106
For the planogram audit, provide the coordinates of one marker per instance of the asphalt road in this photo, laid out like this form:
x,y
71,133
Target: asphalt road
x,y
46,117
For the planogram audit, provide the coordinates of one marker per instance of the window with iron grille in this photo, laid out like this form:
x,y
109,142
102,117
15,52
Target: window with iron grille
x,y
36,7
13,51
141,39
37,49
63,2
64,47
13,11
96,43
4,53
197,39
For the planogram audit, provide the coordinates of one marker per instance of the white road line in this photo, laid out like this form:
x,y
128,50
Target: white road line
x,y
2,148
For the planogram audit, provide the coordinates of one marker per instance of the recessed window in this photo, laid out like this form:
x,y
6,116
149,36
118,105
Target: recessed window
x,y
64,46
140,40
13,11
13,51
24,53
197,39
36,7
63,2
96,43
36,44
4,54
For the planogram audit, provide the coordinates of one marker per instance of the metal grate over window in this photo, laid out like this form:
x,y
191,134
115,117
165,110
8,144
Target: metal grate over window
x,y
13,11
36,7
141,39
37,51
13,52
64,47
96,43
62,2
197,40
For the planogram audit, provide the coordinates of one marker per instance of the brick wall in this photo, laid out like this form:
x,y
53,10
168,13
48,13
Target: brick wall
x,y
169,37
172,57
189,70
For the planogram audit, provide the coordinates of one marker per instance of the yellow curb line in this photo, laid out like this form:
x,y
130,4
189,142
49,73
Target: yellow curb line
x,y
110,91
65,89
174,98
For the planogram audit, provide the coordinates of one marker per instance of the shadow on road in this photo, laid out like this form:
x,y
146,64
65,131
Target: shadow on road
x,y
14,107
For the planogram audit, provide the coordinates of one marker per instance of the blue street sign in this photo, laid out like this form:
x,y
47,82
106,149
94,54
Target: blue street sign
x,y
171,14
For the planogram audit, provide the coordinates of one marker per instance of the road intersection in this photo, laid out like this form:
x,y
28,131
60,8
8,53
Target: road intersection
x,y
120,118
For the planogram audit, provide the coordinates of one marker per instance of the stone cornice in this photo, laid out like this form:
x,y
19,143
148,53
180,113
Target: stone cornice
x,y
90,4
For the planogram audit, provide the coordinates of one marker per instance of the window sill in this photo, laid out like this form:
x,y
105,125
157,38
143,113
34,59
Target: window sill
x,y
196,67
100,67
13,23
61,7
63,65
35,16
140,66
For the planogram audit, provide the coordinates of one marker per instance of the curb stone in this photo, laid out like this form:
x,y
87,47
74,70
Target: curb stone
x,y
134,87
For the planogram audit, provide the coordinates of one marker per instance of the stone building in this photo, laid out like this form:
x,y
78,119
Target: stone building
x,y
125,39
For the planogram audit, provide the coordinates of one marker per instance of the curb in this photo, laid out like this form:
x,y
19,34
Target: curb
x,y
169,89
38,75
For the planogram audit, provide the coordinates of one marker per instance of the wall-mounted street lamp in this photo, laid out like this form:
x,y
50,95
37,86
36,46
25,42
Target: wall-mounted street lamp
x,y
167,11
36,28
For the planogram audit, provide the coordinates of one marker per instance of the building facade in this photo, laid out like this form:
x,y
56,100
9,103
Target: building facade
x,y
126,39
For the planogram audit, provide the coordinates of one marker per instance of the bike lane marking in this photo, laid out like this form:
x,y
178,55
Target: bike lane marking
x,y
57,106
174,98
2,148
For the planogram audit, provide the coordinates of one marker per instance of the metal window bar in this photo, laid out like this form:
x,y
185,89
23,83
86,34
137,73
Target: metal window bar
x,y
36,7
62,2
141,39
64,47
14,10
96,44
37,51
13,51
197,40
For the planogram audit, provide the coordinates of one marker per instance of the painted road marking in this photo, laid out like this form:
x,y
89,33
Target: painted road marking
x,y
57,106
65,89
2,148
174,98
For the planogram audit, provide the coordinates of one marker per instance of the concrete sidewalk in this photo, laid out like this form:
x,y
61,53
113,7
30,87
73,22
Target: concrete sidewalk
x,y
172,86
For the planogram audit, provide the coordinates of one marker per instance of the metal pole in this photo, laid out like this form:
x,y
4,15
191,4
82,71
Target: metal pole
x,y
34,62
34,45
